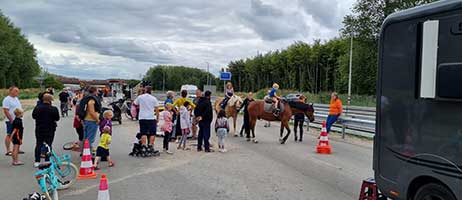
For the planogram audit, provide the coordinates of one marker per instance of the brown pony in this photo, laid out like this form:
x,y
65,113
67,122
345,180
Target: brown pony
x,y
256,111
232,109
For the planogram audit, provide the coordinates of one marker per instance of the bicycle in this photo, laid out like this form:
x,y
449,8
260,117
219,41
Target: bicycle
x,y
48,181
66,171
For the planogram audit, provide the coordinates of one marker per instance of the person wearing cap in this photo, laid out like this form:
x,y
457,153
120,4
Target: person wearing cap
x,y
45,116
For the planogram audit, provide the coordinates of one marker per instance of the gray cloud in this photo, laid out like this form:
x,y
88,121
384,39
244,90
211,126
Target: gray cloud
x,y
324,12
272,23
85,37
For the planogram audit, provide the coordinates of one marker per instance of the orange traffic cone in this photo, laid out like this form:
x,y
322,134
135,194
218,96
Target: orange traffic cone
x,y
323,145
86,166
103,193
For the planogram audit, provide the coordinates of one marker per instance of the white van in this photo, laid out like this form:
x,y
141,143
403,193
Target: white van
x,y
191,90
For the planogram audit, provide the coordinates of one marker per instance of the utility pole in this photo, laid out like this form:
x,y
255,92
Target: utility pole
x,y
163,80
349,73
299,79
208,74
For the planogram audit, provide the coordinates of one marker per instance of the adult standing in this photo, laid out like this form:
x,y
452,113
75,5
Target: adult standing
x,y
335,110
204,115
194,122
92,106
177,104
10,103
245,125
45,116
299,119
64,99
149,112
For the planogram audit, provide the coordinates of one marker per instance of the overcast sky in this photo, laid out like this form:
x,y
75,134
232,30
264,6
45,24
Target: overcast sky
x,y
107,39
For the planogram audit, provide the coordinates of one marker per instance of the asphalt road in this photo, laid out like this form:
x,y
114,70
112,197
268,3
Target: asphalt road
x,y
267,170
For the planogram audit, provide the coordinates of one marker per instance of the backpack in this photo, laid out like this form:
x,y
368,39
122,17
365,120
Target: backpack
x,y
82,108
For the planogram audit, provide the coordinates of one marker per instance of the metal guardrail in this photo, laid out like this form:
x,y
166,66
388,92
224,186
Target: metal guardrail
x,y
355,120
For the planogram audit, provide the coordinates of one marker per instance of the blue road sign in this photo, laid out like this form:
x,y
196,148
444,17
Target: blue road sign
x,y
225,76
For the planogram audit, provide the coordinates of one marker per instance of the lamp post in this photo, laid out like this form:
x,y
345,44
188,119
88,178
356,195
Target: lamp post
x,y
349,73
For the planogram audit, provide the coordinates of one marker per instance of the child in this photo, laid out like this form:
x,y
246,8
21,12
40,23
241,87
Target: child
x,y
222,129
167,126
103,147
229,93
185,118
78,125
16,136
107,121
275,97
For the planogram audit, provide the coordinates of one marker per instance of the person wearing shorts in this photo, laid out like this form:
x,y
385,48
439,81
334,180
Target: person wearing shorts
x,y
149,112
16,136
10,103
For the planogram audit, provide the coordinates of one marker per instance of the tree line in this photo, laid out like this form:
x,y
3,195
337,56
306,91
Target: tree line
x,y
18,58
166,77
324,65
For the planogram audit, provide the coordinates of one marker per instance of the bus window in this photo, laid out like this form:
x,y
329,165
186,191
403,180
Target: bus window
x,y
429,59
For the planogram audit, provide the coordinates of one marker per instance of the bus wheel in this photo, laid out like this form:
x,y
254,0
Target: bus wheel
x,y
434,191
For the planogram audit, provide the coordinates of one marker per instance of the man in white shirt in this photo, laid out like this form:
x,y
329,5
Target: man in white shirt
x,y
9,104
147,116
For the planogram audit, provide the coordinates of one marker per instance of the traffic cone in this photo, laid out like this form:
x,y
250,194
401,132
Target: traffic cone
x,y
103,193
86,166
323,145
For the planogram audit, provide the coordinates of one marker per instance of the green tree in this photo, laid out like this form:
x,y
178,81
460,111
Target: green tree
x,y
173,77
18,63
51,81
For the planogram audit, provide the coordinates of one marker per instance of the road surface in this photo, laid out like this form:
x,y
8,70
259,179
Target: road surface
x,y
267,170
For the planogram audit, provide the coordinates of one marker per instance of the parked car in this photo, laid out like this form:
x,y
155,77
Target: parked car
x,y
292,97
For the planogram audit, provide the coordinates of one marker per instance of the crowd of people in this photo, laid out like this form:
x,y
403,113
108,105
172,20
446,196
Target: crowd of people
x,y
182,118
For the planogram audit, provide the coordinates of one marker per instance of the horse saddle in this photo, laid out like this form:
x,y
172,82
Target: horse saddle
x,y
269,105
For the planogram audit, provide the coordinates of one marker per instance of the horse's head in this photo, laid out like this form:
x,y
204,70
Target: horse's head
x,y
236,101
309,112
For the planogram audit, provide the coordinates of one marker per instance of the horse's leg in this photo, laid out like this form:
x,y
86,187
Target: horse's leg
x,y
285,125
281,132
252,123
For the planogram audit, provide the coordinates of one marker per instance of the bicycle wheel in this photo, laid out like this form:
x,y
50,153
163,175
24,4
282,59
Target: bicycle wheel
x,y
69,146
128,115
67,175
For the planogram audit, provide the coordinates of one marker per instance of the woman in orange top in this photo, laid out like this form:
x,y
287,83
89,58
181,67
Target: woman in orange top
x,y
335,110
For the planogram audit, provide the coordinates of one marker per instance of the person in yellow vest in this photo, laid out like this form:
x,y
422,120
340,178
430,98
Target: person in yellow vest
x,y
335,110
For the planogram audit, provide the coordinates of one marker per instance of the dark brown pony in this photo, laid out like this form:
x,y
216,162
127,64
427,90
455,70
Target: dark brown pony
x,y
256,111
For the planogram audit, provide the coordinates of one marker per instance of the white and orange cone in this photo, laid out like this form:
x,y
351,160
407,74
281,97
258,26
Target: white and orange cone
x,y
103,193
323,146
86,166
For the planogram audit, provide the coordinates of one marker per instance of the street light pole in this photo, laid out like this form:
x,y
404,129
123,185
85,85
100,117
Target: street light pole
x,y
163,80
208,74
349,73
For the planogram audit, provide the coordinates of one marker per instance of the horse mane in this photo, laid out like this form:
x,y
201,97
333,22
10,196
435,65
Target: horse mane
x,y
233,100
299,105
